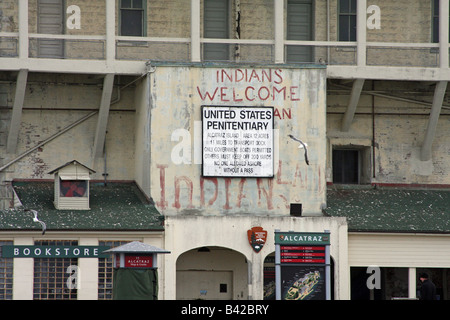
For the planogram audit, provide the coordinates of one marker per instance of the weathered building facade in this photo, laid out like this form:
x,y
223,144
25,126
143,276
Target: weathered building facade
x,y
120,86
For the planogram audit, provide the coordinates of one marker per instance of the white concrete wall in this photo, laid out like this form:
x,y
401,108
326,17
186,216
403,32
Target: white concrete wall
x,y
184,233
177,94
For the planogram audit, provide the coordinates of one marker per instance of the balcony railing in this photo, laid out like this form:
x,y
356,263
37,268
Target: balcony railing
x,y
24,42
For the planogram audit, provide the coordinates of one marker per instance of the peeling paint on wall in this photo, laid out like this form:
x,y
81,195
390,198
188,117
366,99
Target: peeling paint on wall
x,y
298,97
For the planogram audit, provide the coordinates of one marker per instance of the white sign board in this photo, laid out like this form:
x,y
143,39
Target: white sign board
x,y
237,141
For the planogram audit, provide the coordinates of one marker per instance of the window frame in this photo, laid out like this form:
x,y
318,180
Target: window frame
x,y
435,22
346,15
65,183
364,164
50,277
207,48
144,17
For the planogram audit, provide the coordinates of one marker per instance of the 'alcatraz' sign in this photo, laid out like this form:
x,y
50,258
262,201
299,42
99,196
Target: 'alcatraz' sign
x,y
237,141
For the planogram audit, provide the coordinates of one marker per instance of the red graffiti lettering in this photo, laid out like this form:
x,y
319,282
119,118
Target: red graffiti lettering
x,y
240,193
162,203
267,193
233,191
202,190
227,193
188,182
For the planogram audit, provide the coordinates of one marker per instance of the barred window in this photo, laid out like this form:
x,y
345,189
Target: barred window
x,y
51,275
6,274
105,271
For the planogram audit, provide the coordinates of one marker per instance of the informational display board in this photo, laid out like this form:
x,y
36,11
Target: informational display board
x,y
237,141
302,266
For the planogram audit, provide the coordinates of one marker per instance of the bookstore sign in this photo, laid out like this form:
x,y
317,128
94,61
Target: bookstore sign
x,y
302,266
11,251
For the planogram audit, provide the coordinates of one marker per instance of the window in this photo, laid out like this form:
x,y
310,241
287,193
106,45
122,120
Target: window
x,y
345,166
132,18
351,165
347,20
73,188
51,275
6,274
105,272
435,22
216,25
299,27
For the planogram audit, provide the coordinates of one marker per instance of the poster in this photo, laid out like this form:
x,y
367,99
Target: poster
x,y
237,141
303,283
302,266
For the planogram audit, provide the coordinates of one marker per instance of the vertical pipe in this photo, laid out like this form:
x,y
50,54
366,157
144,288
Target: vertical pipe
x,y
327,271
373,131
277,270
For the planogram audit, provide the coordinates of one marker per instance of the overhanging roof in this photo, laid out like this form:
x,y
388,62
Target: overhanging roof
x,y
136,247
404,210
114,207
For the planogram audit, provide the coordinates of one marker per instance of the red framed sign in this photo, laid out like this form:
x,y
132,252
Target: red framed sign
x,y
138,261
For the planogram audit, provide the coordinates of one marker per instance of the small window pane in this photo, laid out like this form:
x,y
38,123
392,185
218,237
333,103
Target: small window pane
x,y
137,4
344,6
126,4
131,24
352,27
353,6
343,28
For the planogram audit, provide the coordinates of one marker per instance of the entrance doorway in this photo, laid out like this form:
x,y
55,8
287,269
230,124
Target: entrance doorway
x,y
212,273
214,285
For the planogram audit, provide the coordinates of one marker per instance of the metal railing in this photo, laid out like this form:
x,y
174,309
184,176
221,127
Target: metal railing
x,y
92,47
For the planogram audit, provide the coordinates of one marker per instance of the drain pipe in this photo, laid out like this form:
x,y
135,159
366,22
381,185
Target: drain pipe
x,y
48,140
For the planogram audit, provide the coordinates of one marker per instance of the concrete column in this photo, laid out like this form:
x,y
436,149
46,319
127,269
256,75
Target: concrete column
x,y
195,31
16,117
279,31
443,33
23,273
87,275
23,29
353,103
103,115
110,30
361,18
438,99
412,283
